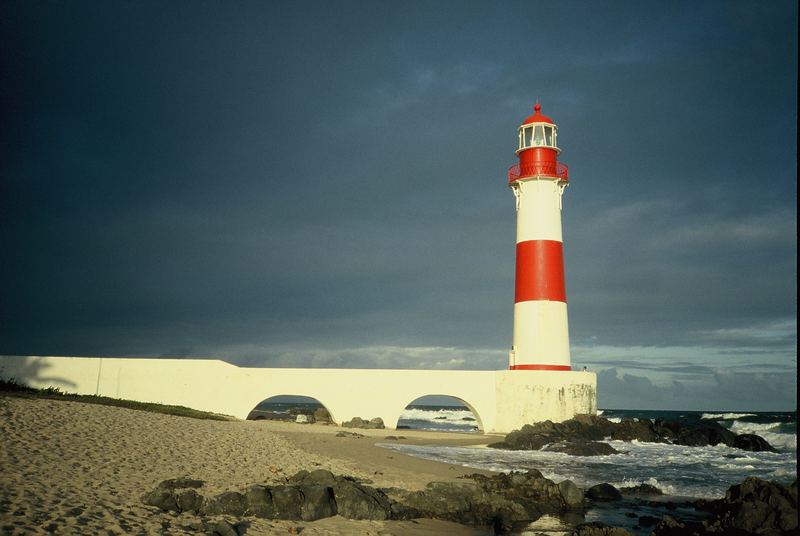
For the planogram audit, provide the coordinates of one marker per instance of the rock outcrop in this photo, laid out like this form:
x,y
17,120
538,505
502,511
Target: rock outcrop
x,y
753,508
497,500
581,435
642,490
602,493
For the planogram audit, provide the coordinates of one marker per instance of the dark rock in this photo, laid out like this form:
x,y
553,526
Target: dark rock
x,y
228,503
642,490
640,430
318,503
349,434
572,494
180,483
352,500
223,528
583,429
752,443
467,503
596,528
669,526
648,521
355,501
758,504
529,488
318,477
259,502
188,500
287,501
695,434
161,498
498,500
603,492
581,448
753,507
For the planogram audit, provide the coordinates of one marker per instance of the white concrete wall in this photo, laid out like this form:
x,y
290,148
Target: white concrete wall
x,y
501,400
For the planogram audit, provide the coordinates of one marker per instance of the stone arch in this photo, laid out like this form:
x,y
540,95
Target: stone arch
x,y
469,406
269,397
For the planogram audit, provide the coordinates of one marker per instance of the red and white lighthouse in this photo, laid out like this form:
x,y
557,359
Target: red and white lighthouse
x,y
541,334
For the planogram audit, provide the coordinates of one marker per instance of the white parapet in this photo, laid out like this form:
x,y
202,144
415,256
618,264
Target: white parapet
x,y
502,401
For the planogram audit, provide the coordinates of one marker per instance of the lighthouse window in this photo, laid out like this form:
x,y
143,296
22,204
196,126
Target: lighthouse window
x,y
538,135
548,135
528,133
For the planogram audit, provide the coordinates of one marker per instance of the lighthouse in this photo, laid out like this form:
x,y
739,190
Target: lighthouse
x,y
541,335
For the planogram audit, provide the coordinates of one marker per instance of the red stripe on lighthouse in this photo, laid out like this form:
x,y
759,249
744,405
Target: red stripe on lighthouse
x,y
540,367
540,271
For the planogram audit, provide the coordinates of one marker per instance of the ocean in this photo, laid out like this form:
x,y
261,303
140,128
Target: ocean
x,y
691,472
682,473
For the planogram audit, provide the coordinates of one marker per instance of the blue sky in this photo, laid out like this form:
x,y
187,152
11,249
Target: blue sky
x,y
323,185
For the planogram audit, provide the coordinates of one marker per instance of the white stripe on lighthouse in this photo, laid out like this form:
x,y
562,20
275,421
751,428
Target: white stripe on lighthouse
x,y
541,334
539,214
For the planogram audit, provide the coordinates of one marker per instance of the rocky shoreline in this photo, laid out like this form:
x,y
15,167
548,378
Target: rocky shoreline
x,y
502,503
499,503
584,435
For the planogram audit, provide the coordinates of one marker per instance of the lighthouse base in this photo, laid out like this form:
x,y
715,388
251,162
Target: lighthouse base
x,y
501,401
528,396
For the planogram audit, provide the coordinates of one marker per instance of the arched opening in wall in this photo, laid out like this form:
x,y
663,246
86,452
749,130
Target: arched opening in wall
x,y
442,413
291,408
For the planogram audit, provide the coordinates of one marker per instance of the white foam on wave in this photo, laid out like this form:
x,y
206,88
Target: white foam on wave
x,y
452,416
614,419
726,416
633,482
768,431
675,469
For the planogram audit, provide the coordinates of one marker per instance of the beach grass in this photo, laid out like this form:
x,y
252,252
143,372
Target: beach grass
x,y
12,388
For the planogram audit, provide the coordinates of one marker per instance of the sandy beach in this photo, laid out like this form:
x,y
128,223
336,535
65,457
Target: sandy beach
x,y
74,468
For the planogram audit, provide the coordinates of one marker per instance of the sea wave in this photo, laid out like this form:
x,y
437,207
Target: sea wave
x,y
771,431
441,415
634,482
675,469
726,416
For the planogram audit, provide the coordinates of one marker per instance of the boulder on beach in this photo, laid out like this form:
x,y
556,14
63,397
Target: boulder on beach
x,y
353,500
498,500
375,423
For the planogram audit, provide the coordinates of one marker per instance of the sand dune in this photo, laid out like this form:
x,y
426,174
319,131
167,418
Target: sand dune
x,y
74,468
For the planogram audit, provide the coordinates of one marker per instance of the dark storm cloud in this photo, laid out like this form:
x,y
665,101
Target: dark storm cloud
x,y
320,185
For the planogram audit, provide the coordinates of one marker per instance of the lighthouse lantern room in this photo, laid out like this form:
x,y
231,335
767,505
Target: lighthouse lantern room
x,y
541,335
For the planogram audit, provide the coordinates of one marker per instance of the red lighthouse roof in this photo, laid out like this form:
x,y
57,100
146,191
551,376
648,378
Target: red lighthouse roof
x,y
538,116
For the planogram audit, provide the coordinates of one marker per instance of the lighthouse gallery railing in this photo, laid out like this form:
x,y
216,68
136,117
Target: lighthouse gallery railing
x,y
558,170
